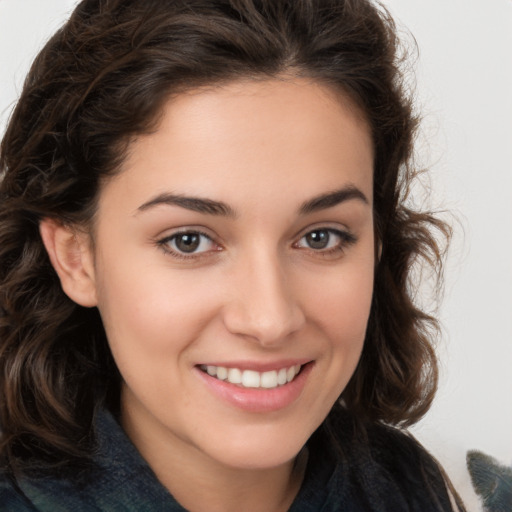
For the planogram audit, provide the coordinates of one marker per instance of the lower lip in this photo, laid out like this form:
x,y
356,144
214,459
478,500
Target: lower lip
x,y
258,399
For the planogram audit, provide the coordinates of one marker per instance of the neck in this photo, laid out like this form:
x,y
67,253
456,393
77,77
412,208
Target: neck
x,y
232,490
183,470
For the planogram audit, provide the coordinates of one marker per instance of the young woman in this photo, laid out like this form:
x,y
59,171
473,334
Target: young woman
x,y
205,262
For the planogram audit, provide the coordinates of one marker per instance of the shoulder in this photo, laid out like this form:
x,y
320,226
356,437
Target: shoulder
x,y
402,456
11,497
387,469
415,472
117,478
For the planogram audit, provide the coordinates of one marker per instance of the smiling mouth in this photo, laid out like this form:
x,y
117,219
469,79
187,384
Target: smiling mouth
x,y
251,378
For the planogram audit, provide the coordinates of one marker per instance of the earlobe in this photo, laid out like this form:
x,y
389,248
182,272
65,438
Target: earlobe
x,y
71,257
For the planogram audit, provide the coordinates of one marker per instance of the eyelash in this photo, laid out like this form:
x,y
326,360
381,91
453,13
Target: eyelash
x,y
346,239
164,244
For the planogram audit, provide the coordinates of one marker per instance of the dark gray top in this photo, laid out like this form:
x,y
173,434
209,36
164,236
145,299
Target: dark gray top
x,y
376,469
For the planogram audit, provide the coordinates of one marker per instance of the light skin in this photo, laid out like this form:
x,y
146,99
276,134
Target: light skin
x,y
238,234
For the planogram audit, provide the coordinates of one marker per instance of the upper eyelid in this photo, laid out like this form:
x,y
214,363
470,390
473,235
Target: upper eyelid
x,y
338,232
347,237
188,231
170,234
333,227
164,244
185,232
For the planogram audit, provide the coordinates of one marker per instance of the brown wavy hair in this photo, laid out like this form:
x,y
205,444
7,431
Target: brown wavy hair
x,y
100,81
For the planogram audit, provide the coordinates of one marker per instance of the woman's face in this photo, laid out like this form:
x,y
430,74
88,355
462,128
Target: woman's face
x,y
234,259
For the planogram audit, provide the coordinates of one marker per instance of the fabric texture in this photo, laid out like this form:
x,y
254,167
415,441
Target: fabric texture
x,y
375,469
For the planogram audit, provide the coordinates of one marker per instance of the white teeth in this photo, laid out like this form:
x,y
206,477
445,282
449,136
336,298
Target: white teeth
x,y
269,380
234,376
252,378
222,373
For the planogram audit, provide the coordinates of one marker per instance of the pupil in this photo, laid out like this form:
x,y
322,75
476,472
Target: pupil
x,y
187,242
318,239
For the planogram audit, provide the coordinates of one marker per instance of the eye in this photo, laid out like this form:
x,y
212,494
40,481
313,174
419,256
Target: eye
x,y
325,239
187,243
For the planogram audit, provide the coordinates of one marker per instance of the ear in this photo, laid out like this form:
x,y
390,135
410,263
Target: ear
x,y
71,256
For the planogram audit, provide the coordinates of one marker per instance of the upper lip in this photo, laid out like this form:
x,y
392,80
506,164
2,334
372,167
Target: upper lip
x,y
258,366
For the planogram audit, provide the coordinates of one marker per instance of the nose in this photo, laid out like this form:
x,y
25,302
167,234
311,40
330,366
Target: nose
x,y
263,306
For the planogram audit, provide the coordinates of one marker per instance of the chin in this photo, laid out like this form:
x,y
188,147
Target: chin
x,y
257,450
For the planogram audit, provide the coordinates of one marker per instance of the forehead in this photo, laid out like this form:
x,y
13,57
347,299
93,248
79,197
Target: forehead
x,y
251,137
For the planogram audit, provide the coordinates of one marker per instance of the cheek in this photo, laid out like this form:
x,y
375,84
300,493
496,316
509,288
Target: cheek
x,y
340,307
341,303
152,315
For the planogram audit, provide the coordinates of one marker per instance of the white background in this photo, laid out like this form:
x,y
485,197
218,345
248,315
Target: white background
x,y
464,85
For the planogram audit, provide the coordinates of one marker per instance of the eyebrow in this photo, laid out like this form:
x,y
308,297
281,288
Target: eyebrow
x,y
196,204
330,199
218,208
